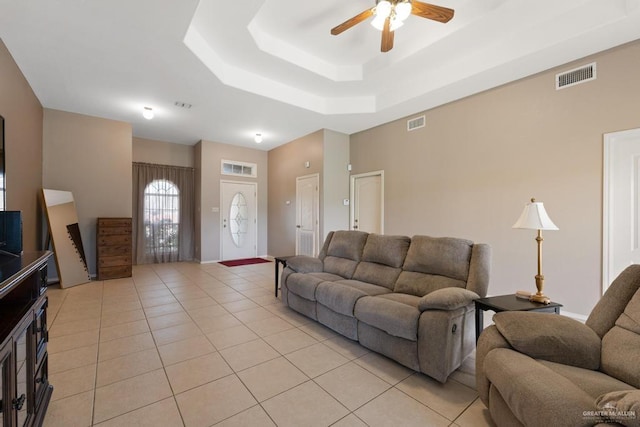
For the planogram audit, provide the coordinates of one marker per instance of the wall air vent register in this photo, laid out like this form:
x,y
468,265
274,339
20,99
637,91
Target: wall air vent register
x,y
576,76
415,123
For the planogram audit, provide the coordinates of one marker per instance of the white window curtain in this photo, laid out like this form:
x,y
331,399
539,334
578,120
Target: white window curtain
x,y
163,213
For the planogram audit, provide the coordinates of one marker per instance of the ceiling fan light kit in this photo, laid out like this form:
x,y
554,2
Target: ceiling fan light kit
x,y
391,14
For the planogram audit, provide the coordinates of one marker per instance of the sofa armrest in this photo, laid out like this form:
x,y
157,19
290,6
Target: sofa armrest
x,y
305,264
447,299
550,337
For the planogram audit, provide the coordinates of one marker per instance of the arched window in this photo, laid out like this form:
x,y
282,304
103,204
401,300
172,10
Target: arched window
x,y
161,218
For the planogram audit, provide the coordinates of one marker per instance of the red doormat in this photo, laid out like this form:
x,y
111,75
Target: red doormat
x,y
246,261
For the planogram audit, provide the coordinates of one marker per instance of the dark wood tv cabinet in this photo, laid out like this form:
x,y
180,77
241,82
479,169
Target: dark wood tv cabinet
x,y
25,391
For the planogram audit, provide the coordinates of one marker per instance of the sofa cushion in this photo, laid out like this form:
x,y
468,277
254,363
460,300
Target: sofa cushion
x,y
367,288
620,356
420,284
554,338
443,256
391,316
626,401
447,299
342,267
338,297
347,244
377,274
303,285
326,277
386,250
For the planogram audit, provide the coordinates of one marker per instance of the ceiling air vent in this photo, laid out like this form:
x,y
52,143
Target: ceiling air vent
x,y
576,76
415,123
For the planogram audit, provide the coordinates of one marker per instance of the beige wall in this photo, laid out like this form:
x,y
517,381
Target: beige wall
x,y
22,113
208,156
162,153
91,157
286,163
335,183
470,171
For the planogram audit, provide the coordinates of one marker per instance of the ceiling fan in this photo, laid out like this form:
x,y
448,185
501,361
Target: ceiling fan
x,y
391,14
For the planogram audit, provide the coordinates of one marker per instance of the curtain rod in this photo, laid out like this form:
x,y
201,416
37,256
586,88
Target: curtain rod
x,y
162,166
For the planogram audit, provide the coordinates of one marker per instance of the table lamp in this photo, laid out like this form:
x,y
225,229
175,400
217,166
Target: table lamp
x,y
534,217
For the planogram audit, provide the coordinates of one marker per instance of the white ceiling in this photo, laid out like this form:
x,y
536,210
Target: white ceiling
x,y
272,67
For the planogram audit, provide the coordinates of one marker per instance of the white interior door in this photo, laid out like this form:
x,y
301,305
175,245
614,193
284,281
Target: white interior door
x,y
621,216
238,212
307,213
367,207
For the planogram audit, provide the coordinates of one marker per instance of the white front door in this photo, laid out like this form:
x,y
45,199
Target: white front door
x,y
307,212
367,208
621,216
238,213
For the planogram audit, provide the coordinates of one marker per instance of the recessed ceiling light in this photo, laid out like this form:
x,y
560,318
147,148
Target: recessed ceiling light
x,y
147,113
258,138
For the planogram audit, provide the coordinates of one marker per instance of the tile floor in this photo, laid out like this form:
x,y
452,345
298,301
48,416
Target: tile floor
x,y
194,345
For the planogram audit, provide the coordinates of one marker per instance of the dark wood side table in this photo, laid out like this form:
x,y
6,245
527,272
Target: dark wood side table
x,y
280,260
509,303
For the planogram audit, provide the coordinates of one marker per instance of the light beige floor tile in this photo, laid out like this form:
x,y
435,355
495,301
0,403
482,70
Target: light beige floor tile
x,y
184,350
254,314
192,373
271,378
133,393
209,312
229,395
89,312
313,407
352,385
476,415
238,305
316,359
349,421
346,347
123,330
126,345
384,368
131,365
394,408
71,359
466,373
73,411
121,307
249,354
296,319
176,333
217,323
113,319
71,328
270,326
73,381
161,310
164,413
319,332
69,342
265,300
155,293
290,340
254,417
192,304
231,336
449,399
168,320
154,302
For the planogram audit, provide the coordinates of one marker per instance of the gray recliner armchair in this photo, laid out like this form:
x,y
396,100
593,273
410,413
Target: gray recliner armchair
x,y
536,369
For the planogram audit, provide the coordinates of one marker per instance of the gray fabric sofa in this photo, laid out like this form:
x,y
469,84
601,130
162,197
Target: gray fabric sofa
x,y
536,369
410,299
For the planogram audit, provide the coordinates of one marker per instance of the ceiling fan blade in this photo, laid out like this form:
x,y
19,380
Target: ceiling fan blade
x,y
387,36
351,22
431,11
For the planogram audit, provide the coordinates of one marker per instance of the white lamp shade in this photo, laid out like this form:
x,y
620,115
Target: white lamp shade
x,y
535,217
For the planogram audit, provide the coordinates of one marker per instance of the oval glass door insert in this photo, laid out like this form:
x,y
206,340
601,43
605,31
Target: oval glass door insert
x,y
238,219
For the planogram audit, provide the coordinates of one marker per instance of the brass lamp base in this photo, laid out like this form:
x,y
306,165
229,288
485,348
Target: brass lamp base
x,y
540,298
